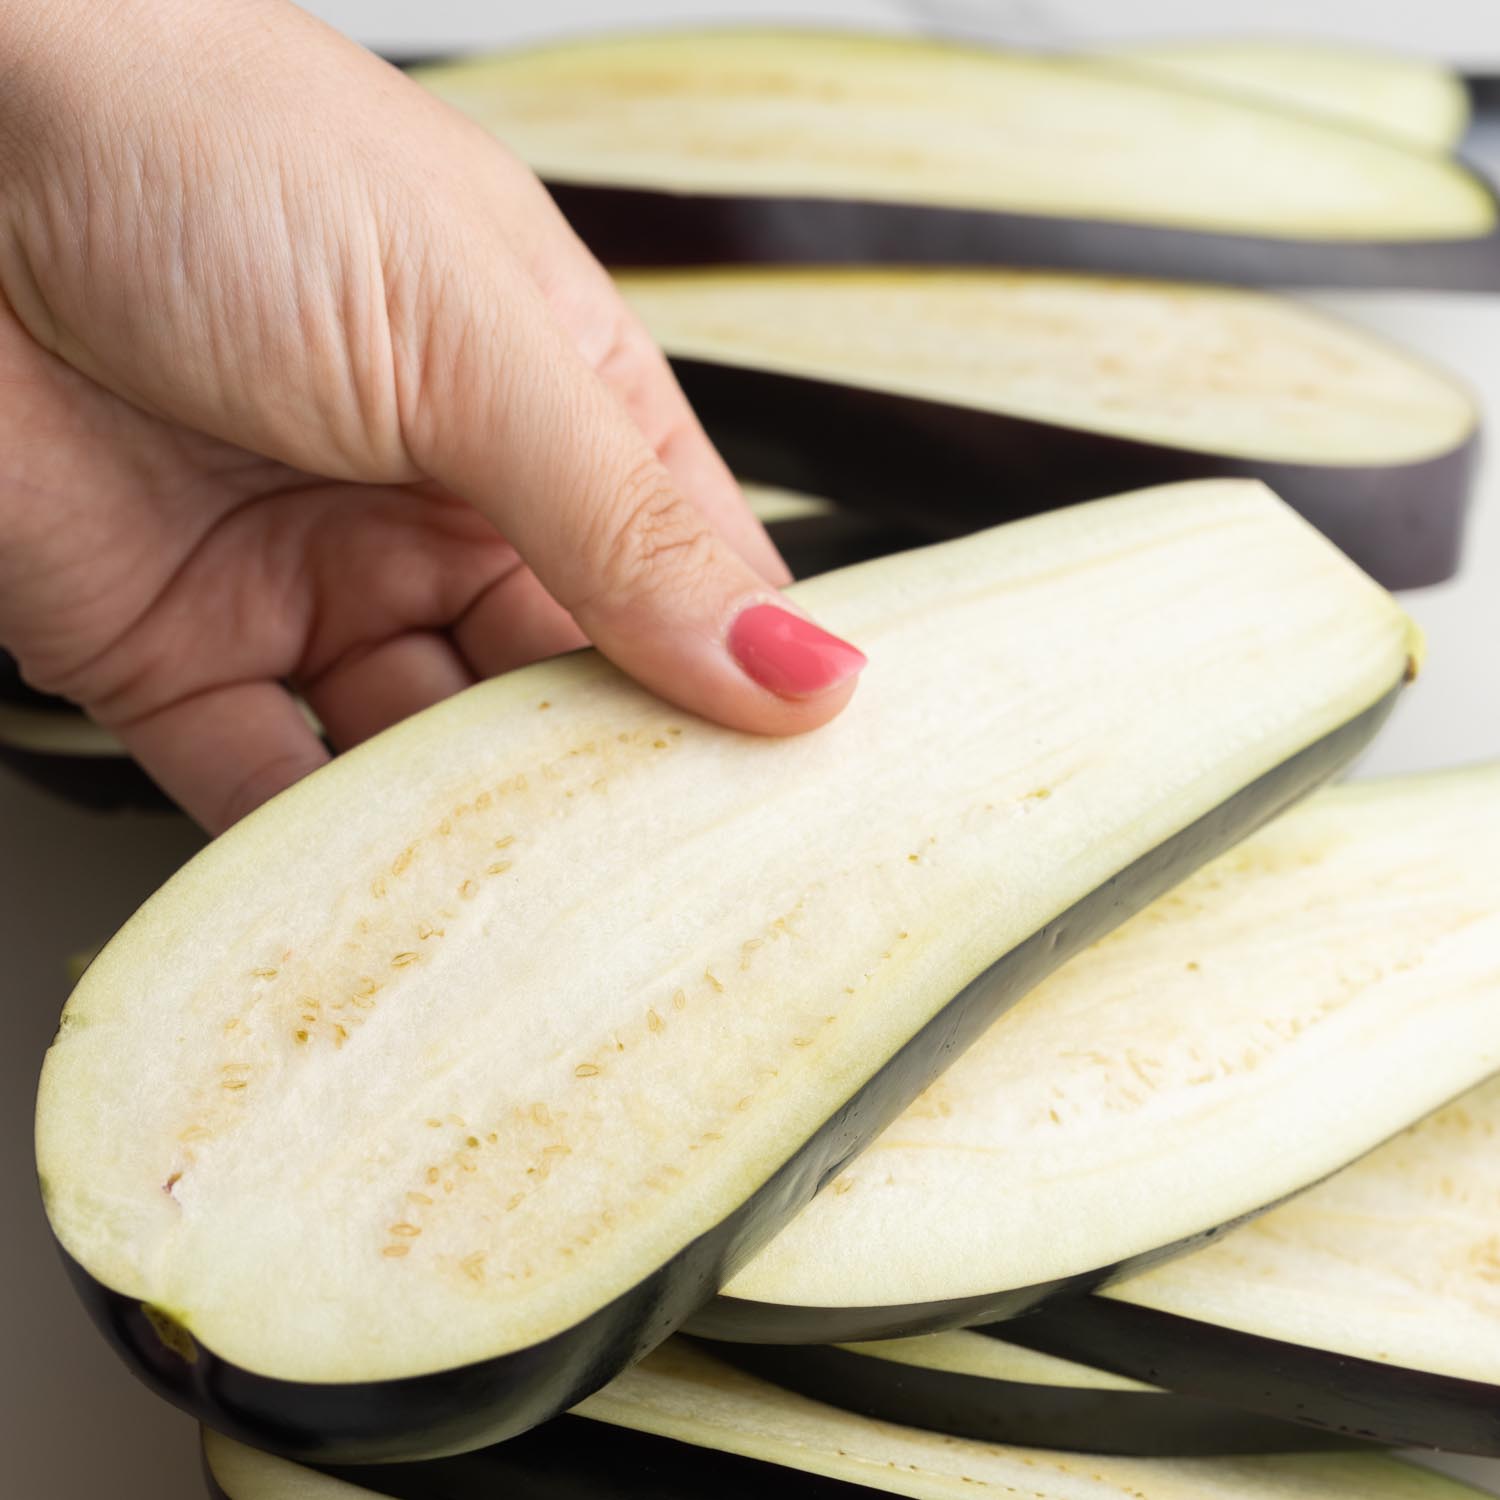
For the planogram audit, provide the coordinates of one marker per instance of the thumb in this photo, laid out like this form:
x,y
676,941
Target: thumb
x,y
516,421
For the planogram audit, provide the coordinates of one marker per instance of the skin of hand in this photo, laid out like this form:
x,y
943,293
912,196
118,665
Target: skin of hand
x,y
306,386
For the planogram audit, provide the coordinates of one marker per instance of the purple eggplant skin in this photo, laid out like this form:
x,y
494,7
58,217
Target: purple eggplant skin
x,y
739,1320
945,469
1145,1424
637,227
1338,1393
575,1458
818,544
105,783
470,1406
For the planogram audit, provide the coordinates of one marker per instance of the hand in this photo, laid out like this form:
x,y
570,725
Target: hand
x,y
308,386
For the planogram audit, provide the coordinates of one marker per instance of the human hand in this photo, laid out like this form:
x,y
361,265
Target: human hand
x,y
308,386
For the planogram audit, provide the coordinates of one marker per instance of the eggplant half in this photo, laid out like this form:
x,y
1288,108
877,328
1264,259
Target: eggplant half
x,y
447,1084
1288,1008
976,1385
952,400
816,536
1413,99
54,745
1370,1305
682,1426
741,146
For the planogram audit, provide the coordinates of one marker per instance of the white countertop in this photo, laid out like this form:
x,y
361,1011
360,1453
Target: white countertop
x,y
73,1424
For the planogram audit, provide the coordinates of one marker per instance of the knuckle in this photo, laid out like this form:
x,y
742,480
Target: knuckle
x,y
650,539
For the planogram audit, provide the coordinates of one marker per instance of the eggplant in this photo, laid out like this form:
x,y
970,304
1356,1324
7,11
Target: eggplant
x,y
1288,1008
952,400
50,743
682,1426
1370,1305
1411,98
976,1385
54,745
740,146
816,536
448,1083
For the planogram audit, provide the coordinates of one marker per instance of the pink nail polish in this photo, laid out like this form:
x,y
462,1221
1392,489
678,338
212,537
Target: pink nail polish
x,y
788,655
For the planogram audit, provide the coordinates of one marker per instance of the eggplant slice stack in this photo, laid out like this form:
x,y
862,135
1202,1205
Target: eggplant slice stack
x,y
977,1385
952,400
1418,102
1369,1305
419,1104
1412,99
802,147
681,1426
430,1100
1286,1009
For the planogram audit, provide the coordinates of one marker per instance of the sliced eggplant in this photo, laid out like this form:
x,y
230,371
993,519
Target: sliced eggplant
x,y
1288,1008
1411,98
439,1089
682,1426
952,400
54,746
1370,1305
797,147
816,536
975,1385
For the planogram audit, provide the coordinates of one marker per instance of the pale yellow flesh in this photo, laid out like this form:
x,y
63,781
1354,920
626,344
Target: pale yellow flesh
x,y
55,732
1396,1259
1288,1008
1408,98
907,121
770,505
960,1352
1209,369
466,1034
682,1394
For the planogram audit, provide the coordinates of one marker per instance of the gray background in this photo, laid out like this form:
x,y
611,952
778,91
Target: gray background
x,y
72,1422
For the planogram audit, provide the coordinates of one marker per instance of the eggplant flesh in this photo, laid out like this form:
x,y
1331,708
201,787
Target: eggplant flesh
x,y
1414,99
1369,1305
975,1385
737,146
683,1425
55,746
65,753
816,536
1286,1009
949,400
447,1084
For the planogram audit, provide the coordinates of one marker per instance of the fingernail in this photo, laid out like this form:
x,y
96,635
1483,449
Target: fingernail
x,y
788,655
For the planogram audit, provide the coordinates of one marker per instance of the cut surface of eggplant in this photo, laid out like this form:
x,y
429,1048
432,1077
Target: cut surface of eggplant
x,y
1370,1304
955,399
434,1092
1286,1009
816,536
54,745
973,1385
1412,98
772,506
60,749
682,1424
684,148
